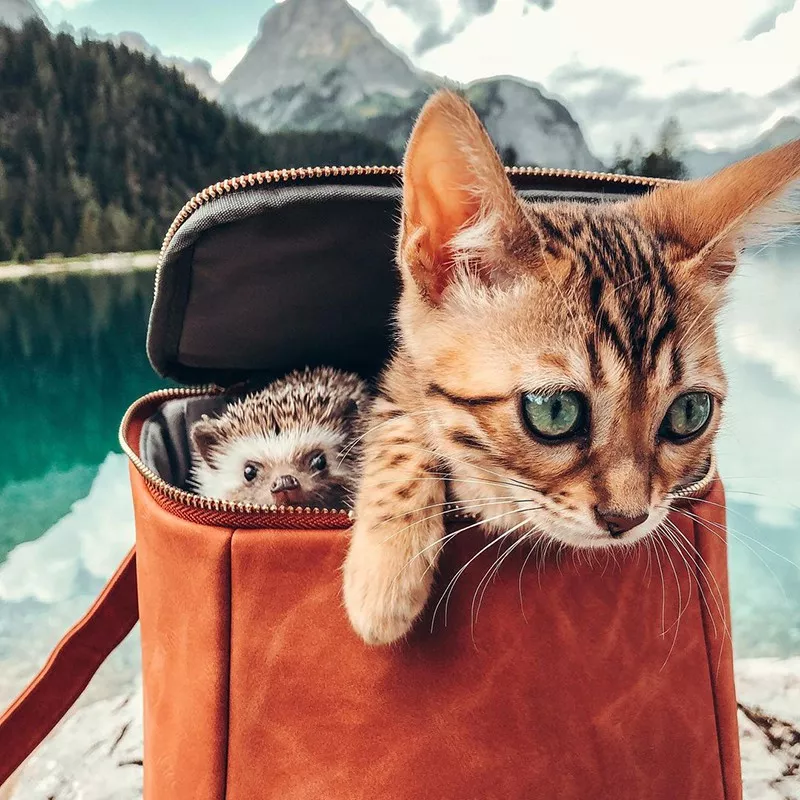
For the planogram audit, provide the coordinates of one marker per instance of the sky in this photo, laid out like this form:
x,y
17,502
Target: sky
x,y
728,69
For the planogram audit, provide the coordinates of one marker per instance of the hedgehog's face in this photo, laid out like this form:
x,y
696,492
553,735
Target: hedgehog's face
x,y
301,467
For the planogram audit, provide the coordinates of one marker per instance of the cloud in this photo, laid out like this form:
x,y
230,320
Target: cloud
x,y
626,89
765,22
63,4
226,63
601,98
440,22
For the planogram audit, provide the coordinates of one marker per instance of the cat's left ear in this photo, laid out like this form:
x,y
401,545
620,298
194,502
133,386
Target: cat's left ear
x,y
459,207
706,223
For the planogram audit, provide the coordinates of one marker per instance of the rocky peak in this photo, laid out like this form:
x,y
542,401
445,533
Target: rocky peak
x,y
15,13
318,44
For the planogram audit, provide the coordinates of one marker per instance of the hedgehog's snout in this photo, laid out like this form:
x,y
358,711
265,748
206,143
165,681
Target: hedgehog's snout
x,y
286,490
285,483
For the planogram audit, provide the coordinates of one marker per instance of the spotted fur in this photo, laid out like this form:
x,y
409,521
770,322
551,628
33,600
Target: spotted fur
x,y
617,301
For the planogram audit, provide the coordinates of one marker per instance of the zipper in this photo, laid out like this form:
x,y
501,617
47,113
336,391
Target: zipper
x,y
225,510
699,487
255,180
233,513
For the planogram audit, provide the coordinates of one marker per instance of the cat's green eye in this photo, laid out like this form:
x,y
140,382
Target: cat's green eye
x,y
687,416
555,416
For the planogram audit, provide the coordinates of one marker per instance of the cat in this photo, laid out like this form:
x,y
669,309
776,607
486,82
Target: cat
x,y
556,371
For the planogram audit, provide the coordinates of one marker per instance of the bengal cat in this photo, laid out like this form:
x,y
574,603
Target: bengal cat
x,y
557,371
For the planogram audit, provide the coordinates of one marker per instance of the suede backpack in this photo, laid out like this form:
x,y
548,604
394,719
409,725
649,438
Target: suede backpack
x,y
575,679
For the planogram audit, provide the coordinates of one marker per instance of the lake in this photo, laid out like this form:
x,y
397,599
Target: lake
x,y
72,358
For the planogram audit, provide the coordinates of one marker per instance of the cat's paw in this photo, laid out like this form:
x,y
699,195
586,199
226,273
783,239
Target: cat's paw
x,y
383,597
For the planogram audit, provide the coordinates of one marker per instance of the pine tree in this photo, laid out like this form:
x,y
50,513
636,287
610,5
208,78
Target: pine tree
x,y
33,238
20,254
90,238
6,246
100,146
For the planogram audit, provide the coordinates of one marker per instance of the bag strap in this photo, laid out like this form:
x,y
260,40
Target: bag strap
x,y
69,669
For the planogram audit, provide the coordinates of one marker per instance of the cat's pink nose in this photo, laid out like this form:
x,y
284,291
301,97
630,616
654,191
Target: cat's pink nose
x,y
617,524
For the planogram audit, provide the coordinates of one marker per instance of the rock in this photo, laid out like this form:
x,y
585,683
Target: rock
x,y
319,65
15,13
769,727
97,753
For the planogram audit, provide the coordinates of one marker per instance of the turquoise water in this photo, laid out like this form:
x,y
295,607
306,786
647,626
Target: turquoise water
x,y
72,359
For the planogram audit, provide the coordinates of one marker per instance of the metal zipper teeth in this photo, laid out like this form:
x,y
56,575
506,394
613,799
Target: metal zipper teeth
x,y
256,179
161,486
699,488
696,489
157,483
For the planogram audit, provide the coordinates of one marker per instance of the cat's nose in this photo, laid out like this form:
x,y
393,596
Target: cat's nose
x,y
617,524
285,483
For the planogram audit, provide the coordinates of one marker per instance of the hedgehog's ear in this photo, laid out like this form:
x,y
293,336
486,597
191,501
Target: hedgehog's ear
x,y
206,437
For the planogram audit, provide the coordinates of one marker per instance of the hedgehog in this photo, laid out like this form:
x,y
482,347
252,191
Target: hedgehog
x,y
295,443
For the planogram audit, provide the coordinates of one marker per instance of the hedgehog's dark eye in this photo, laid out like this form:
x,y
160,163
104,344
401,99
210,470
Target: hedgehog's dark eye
x,y
250,472
319,462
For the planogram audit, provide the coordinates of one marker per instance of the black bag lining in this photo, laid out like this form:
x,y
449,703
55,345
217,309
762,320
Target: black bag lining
x,y
261,281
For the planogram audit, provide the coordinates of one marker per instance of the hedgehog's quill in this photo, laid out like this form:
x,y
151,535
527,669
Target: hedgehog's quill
x,y
294,443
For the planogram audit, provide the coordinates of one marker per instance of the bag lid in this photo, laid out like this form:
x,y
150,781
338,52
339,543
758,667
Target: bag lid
x,y
267,272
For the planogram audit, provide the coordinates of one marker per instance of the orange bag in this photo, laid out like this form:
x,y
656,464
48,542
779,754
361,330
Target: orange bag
x,y
575,679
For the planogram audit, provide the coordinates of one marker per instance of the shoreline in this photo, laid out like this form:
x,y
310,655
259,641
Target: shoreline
x,y
98,749
107,263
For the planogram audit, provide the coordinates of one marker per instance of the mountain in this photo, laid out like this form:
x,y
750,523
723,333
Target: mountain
x,y
536,129
197,71
15,13
320,65
701,162
100,146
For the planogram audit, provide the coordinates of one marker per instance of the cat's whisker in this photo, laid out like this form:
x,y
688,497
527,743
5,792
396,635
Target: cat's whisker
x,y
719,599
451,585
353,444
737,535
521,571
717,594
444,513
452,507
686,549
742,538
663,588
450,536
458,574
489,576
682,607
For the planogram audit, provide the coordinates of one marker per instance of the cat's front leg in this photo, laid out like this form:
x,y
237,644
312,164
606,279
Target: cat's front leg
x,y
398,528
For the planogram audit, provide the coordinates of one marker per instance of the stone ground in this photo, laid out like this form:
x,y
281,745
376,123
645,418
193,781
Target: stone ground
x,y
96,754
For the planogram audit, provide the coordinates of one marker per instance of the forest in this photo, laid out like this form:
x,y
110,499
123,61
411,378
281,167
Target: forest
x,y
100,146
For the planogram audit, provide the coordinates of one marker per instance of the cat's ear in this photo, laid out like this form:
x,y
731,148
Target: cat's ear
x,y
459,207
706,223
206,438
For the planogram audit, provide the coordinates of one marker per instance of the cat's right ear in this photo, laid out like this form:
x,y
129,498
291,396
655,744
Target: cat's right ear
x,y
459,207
206,438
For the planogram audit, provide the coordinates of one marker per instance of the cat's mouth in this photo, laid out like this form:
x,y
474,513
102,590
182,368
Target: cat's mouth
x,y
586,533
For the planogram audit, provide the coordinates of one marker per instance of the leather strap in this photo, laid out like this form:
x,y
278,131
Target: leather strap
x,y
69,669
